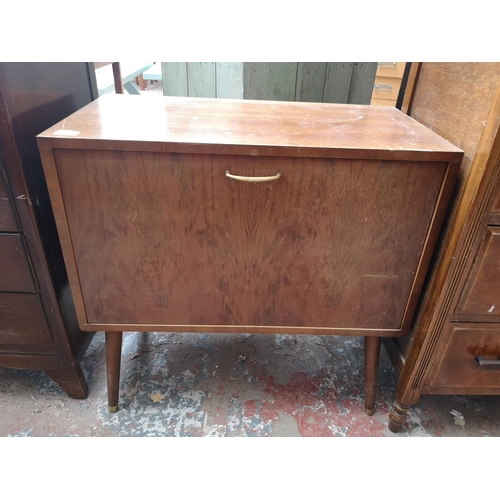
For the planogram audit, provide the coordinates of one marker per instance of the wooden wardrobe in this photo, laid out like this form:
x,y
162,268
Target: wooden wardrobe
x,y
454,341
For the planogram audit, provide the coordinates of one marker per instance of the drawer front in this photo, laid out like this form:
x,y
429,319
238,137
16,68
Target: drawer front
x,y
391,69
164,238
386,88
382,102
496,206
22,321
495,212
15,270
481,295
470,359
7,219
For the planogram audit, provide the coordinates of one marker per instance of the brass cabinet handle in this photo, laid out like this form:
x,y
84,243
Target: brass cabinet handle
x,y
253,179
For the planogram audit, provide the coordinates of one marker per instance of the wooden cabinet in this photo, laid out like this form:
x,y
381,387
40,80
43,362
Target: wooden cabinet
x,y
38,325
182,214
454,343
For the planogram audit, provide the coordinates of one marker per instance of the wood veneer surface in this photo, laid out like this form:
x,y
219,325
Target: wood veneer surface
x,y
165,238
253,127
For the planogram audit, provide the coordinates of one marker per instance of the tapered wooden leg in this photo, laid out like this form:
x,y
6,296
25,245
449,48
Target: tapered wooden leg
x,y
397,416
372,355
113,361
71,379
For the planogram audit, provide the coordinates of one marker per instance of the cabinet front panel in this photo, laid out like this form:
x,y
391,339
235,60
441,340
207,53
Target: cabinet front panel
x,y
471,359
481,294
162,238
15,271
22,322
391,69
386,88
7,219
496,207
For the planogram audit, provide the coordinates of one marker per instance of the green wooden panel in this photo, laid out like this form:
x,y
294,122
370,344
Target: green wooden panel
x,y
362,81
338,82
229,80
310,81
270,80
201,79
174,75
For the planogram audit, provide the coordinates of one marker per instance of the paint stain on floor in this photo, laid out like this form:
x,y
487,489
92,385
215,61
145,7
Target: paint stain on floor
x,y
219,385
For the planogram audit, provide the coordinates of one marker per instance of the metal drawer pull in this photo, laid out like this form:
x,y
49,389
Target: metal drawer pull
x,y
387,64
252,179
488,362
383,87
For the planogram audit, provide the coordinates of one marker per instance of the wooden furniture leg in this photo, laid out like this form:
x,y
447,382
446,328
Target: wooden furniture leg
x,y
113,359
372,355
71,379
397,416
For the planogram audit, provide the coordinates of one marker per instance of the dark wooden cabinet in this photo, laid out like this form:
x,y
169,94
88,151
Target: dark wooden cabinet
x,y
454,342
184,214
38,325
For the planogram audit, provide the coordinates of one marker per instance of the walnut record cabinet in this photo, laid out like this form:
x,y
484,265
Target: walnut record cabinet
x,y
190,214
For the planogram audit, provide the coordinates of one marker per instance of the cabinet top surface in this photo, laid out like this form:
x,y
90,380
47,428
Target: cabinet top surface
x,y
232,122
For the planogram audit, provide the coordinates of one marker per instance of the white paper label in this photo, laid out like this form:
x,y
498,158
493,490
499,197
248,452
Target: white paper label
x,y
64,131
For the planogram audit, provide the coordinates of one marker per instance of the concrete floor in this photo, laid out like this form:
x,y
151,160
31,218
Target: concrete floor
x,y
232,385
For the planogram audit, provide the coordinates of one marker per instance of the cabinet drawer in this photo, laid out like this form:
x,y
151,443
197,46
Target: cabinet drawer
x,y
496,206
15,270
22,321
386,88
7,219
495,212
383,102
391,69
466,363
170,239
481,295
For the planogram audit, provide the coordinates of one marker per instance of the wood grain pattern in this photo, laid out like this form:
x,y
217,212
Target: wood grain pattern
x,y
461,102
22,321
453,100
174,79
201,79
71,379
168,239
229,80
299,81
338,82
15,270
496,206
363,76
250,128
7,218
29,361
270,80
481,294
311,78
410,87
458,368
